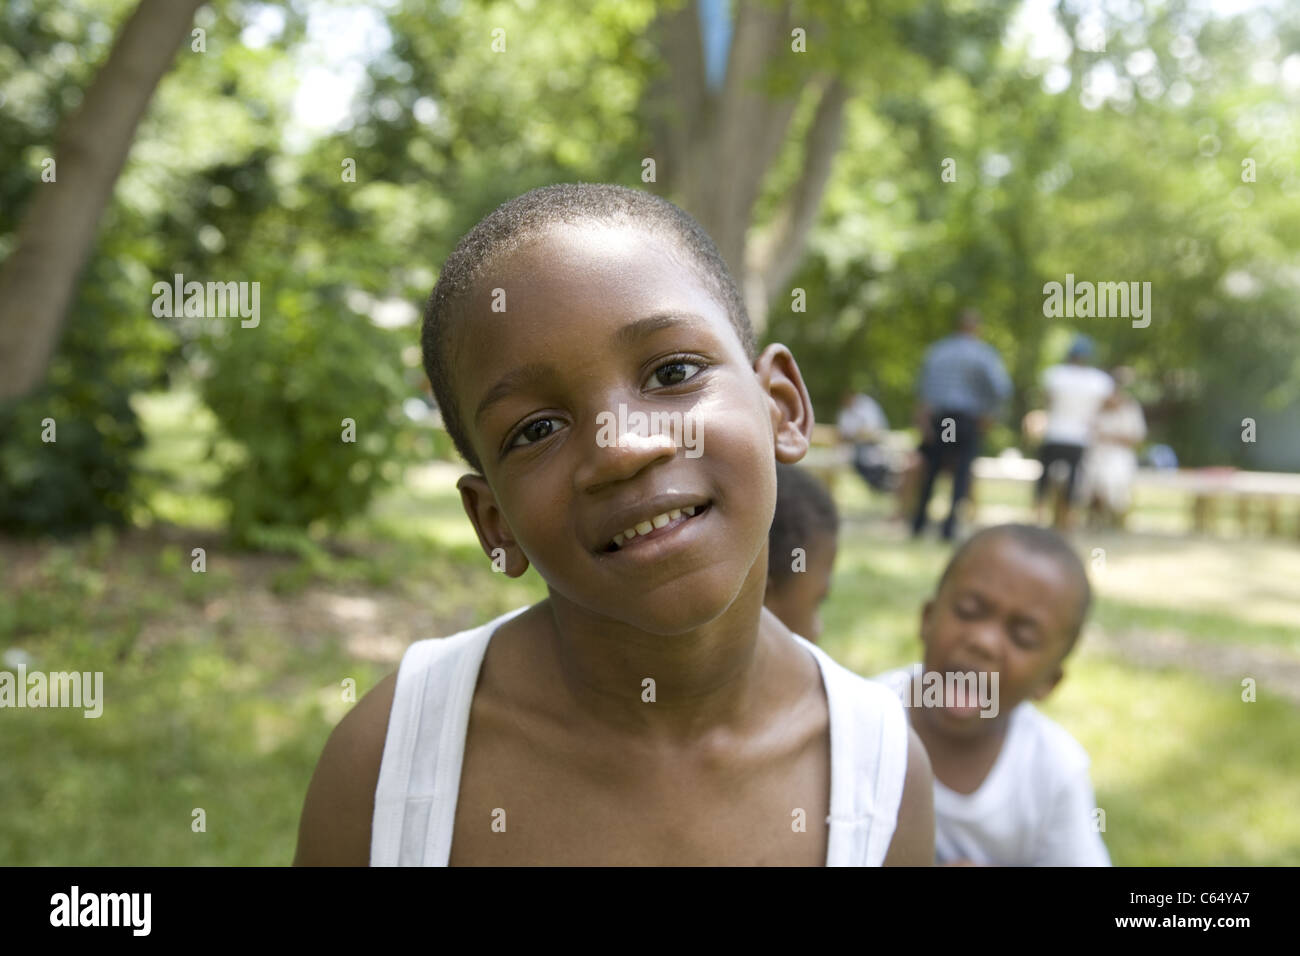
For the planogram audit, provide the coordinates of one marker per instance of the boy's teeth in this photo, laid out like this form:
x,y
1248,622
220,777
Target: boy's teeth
x,y
645,527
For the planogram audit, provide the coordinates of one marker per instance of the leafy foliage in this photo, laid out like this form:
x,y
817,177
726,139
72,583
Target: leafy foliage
x,y
284,392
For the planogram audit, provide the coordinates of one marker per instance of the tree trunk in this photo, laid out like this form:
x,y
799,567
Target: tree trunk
x,y
773,258
719,147
57,232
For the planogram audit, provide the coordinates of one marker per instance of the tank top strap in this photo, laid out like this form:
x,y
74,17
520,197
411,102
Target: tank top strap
x,y
869,738
419,776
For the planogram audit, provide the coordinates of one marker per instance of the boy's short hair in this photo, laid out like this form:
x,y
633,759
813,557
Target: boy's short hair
x,y
1043,541
804,509
514,222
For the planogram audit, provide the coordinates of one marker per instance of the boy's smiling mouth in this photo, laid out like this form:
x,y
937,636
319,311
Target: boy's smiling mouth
x,y
653,519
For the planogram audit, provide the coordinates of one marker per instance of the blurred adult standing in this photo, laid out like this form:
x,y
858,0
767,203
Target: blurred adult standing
x,y
962,384
1075,391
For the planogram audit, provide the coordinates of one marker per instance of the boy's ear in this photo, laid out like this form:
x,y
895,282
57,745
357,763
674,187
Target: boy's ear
x,y
788,401
927,611
490,525
1049,684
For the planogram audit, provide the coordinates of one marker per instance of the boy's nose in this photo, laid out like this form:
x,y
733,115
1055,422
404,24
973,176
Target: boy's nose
x,y
617,454
982,642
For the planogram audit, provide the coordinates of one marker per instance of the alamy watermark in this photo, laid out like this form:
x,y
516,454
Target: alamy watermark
x,y
75,908
211,300
950,689
685,430
1084,300
76,689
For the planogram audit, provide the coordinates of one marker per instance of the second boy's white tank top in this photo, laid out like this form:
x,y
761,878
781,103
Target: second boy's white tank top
x,y
419,778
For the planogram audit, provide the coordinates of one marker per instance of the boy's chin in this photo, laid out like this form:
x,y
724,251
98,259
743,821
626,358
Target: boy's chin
x,y
671,611
957,724
674,618
968,721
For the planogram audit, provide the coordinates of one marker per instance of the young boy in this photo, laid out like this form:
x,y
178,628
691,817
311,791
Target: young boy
x,y
801,551
1011,786
648,711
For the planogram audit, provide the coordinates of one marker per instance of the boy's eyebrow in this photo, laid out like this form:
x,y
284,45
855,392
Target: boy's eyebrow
x,y
642,328
513,380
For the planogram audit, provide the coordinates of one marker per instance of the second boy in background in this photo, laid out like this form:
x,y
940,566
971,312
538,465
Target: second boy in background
x,y
801,551
1011,788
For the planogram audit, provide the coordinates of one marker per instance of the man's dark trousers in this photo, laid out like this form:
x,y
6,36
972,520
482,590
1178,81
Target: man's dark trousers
x,y
958,454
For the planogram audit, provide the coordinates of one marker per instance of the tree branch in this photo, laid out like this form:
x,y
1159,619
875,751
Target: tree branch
x,y
740,145
775,254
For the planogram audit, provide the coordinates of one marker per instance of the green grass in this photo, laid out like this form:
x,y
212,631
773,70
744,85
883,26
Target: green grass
x,y
1187,772
221,687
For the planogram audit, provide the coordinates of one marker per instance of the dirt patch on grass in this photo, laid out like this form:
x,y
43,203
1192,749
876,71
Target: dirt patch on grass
x,y
1274,670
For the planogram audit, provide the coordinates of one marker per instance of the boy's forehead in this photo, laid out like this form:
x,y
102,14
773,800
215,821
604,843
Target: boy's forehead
x,y
1021,576
568,264
579,290
573,284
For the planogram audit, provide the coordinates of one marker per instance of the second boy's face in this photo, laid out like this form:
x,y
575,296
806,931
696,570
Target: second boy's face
x,y
1003,609
608,392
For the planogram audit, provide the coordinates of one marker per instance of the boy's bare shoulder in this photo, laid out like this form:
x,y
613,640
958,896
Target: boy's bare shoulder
x,y
913,843
340,804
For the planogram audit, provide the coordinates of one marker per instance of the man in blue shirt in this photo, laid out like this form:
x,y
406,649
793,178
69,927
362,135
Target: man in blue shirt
x,y
962,384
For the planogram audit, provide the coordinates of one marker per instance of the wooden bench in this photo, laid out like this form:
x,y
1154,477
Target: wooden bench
x,y
1258,494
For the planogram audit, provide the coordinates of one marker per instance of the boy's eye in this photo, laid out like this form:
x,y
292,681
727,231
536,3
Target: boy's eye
x,y
675,372
535,431
1024,638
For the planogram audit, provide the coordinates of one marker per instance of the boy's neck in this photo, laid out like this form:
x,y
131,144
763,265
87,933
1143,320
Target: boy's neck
x,y
961,762
706,679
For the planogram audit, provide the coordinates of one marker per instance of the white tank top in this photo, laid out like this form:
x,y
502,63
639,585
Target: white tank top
x,y
419,778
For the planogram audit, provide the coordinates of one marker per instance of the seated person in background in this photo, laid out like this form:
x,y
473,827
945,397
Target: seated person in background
x,y
862,423
801,551
1110,463
1011,786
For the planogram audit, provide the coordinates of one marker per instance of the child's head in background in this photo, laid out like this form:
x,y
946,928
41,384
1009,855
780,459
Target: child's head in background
x,y
801,550
560,324
1012,600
